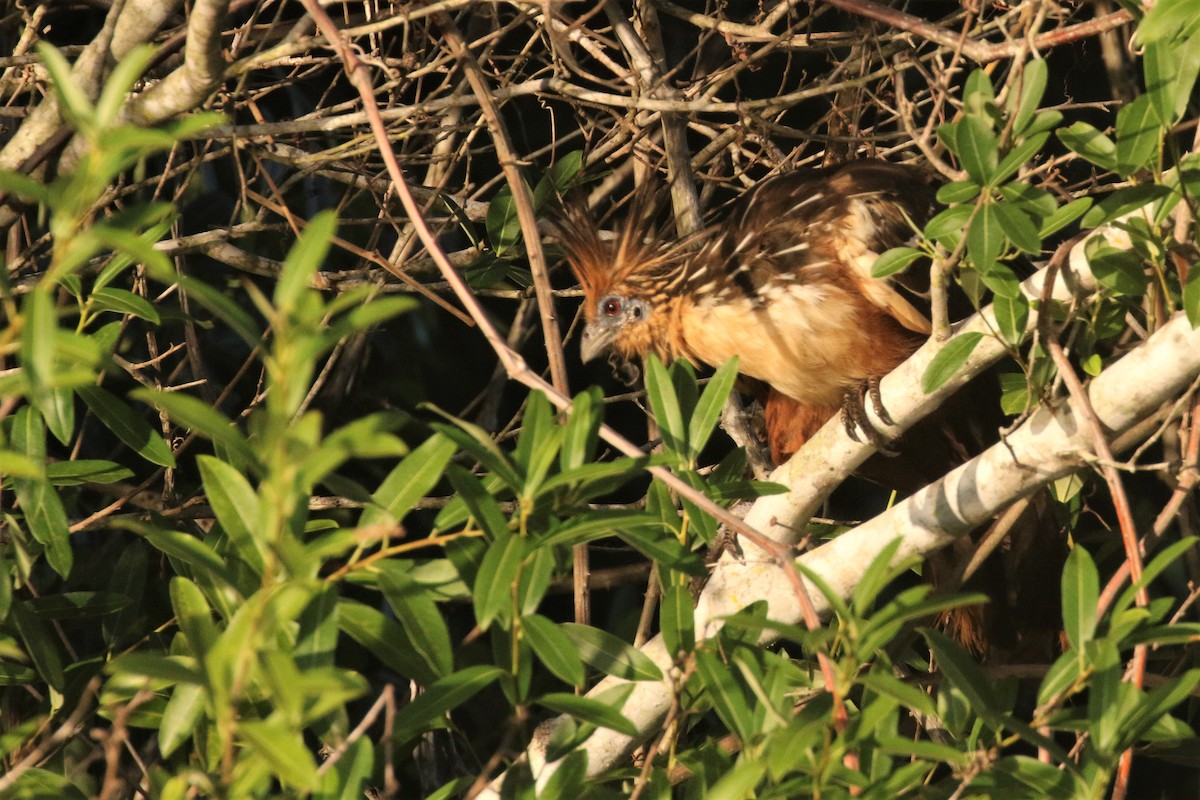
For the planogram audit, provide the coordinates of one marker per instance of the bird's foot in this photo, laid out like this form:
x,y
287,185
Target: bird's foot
x,y
854,415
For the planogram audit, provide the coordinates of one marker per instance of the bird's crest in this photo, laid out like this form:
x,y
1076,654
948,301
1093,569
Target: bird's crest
x,y
635,259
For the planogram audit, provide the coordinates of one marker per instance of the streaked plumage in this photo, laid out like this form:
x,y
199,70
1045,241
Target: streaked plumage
x,y
781,280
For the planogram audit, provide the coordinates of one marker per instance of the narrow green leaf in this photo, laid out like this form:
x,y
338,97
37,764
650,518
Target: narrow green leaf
x,y
202,418
410,480
194,615
122,301
708,408
949,360
1019,229
1024,104
611,655
348,780
1123,201
131,429
1080,593
414,607
726,696
74,473
590,711
666,407
495,583
181,717
895,260
1064,216
1139,134
1012,317
73,103
78,605
677,619
385,639
316,639
963,672
582,430
1092,144
955,192
39,645
1121,271
236,506
977,149
303,260
43,509
428,708
283,748
554,648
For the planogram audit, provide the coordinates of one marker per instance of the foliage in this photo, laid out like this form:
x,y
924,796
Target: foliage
x,y
259,540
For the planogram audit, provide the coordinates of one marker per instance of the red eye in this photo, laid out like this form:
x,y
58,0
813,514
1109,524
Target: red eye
x,y
610,307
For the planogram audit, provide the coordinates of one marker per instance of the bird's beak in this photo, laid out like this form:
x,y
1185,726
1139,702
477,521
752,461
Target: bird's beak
x,y
596,339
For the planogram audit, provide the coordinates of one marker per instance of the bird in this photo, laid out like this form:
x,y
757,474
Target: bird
x,y
781,279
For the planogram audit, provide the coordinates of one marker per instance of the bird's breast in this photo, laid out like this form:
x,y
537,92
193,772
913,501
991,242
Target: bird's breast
x,y
808,341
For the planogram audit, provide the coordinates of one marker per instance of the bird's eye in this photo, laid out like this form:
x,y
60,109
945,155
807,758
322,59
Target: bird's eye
x,y
610,307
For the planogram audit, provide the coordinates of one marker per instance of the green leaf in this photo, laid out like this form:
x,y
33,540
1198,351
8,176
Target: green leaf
x,y
39,645
1064,216
1019,229
1024,103
554,648
74,473
1121,271
1139,134
282,746
236,506
985,237
949,360
1168,20
414,607
677,619
582,430
961,670
181,717
497,577
955,192
428,708
895,260
73,103
947,226
708,408
977,149
1012,317
1017,157
202,418
1123,201
610,655
1090,143
726,695
123,302
1080,594
668,412
43,509
590,711
348,780
303,260
78,605
409,481
502,223
385,639
131,429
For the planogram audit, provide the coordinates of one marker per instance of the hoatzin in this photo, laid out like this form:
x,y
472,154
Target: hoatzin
x,y
783,281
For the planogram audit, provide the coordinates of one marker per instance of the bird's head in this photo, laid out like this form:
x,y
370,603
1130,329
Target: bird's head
x,y
623,278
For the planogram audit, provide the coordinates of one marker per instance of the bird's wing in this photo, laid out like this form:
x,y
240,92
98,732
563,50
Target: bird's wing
x,y
825,226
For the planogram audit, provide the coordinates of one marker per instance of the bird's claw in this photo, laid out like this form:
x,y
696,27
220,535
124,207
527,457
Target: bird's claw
x,y
854,415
